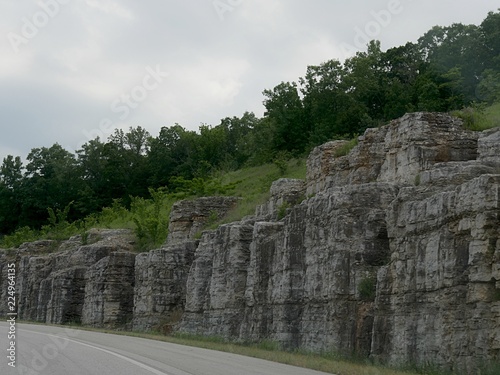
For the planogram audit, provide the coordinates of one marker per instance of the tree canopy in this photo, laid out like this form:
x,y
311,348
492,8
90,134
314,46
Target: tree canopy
x,y
446,69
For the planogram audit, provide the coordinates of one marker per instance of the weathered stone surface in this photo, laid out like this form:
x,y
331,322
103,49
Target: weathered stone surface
x,y
295,271
284,192
160,286
417,141
489,147
109,291
64,290
396,153
320,165
42,246
390,252
346,242
437,301
266,239
51,287
215,304
394,257
449,175
189,217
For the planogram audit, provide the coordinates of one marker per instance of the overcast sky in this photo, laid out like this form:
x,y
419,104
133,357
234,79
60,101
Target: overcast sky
x,y
71,70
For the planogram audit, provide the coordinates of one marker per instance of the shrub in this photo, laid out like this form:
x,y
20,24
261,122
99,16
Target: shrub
x,y
282,210
346,148
417,180
150,218
474,118
367,289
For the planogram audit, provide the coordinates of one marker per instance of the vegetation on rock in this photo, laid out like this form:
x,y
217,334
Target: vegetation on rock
x,y
448,69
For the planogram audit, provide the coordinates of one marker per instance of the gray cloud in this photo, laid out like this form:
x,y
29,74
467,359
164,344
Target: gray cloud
x,y
87,54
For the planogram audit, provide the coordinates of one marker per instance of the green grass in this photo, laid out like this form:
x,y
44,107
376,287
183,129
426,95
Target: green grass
x,y
346,148
479,118
492,114
253,184
149,217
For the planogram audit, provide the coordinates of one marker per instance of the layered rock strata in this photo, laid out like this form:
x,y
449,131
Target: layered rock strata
x,y
391,252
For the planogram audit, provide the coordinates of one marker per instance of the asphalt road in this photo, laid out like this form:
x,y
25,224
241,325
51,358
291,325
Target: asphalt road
x,y
47,350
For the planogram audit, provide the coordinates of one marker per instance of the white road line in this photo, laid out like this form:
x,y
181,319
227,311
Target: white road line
x,y
139,364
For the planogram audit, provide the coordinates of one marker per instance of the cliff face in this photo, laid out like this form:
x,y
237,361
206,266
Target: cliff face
x,y
391,252
395,254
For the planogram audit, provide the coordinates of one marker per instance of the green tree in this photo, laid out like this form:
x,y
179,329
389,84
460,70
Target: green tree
x,y
51,180
240,143
126,163
490,33
456,57
11,178
367,81
326,100
171,153
95,191
286,117
488,88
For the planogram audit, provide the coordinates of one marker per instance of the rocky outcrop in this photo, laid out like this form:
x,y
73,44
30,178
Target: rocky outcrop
x,y
284,193
396,153
216,285
391,252
51,288
189,217
393,255
109,291
438,297
160,286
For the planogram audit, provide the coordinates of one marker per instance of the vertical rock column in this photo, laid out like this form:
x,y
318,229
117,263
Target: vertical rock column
x,y
258,317
345,244
160,286
216,285
64,291
109,291
438,300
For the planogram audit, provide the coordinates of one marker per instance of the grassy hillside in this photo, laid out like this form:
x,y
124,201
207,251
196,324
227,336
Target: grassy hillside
x,y
253,184
492,114
480,118
149,217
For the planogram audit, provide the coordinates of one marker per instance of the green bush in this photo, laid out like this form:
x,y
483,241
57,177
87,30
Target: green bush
x,y
281,161
367,289
151,218
282,210
346,148
20,236
476,118
417,180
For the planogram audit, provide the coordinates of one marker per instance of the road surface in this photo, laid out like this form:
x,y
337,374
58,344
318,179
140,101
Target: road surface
x,y
48,350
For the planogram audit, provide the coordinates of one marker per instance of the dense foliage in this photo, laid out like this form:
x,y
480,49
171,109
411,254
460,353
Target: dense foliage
x,y
447,69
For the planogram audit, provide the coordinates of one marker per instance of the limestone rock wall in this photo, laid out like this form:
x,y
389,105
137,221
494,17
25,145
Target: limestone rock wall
x,y
160,286
215,301
109,291
284,193
189,217
438,297
391,252
52,287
